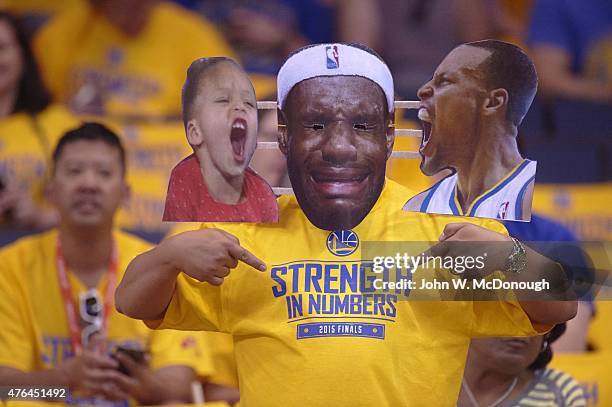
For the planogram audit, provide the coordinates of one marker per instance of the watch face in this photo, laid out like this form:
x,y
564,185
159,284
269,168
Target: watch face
x,y
517,260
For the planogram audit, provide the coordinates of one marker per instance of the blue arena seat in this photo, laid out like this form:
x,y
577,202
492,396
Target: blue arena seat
x,y
582,121
535,126
566,162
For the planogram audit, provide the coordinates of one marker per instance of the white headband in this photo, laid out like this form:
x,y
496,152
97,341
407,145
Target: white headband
x,y
333,60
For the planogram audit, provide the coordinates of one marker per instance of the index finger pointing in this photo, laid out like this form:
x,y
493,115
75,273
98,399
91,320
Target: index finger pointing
x,y
241,254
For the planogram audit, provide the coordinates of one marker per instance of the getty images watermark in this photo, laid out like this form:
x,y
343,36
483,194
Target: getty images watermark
x,y
448,271
405,266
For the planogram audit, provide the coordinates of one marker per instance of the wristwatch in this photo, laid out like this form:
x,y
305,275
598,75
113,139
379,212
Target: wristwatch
x,y
517,260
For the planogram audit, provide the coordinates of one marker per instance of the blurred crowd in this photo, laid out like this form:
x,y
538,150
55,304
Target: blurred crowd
x,y
123,62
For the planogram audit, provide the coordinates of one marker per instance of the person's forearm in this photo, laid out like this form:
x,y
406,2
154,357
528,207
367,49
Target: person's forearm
x,y
359,21
554,305
557,79
575,87
148,284
168,385
49,377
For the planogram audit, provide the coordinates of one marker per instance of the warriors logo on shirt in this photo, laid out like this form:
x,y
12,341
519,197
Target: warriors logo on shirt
x,y
342,242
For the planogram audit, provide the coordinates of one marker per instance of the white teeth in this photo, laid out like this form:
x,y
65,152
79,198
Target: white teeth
x,y
238,125
424,115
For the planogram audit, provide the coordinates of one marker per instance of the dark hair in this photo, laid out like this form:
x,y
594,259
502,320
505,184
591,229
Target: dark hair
x,y
32,96
90,131
510,68
546,354
195,74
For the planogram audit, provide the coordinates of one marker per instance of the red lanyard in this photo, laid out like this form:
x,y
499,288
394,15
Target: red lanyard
x,y
70,306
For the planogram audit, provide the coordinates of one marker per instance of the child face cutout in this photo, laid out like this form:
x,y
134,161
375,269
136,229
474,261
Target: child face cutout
x,y
225,115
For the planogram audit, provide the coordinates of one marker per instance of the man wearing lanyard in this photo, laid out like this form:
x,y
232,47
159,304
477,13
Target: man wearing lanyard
x,y
59,326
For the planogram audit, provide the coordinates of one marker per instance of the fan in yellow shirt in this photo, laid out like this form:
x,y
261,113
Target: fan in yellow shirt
x,y
310,325
59,326
29,127
124,58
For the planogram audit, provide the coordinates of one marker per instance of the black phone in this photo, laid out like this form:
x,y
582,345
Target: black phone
x,y
137,355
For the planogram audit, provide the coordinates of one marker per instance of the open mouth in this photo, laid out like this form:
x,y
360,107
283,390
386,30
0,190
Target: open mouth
x,y
340,182
238,135
426,125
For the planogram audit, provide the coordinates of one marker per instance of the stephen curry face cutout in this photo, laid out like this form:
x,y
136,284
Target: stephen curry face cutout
x,y
215,183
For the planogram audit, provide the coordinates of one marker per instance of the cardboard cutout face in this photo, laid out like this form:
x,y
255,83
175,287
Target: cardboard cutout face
x,y
463,131
215,184
337,141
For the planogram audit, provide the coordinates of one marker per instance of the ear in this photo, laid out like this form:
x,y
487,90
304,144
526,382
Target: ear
x,y
194,133
496,102
390,133
283,140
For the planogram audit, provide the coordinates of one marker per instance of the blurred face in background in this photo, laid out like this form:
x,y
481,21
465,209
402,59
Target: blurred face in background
x,y
509,355
129,16
11,60
223,130
88,185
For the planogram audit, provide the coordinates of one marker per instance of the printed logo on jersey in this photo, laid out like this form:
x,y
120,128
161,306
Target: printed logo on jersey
x,y
503,210
333,58
342,242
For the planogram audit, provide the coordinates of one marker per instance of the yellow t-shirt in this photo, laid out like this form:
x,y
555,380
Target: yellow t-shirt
x,y
35,332
306,332
219,345
26,144
221,349
87,63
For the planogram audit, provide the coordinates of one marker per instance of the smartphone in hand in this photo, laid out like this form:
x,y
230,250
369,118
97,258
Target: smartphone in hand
x,y
136,354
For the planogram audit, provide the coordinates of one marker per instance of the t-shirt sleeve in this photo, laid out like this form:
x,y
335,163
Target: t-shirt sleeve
x,y
502,318
54,42
195,306
548,25
173,348
17,339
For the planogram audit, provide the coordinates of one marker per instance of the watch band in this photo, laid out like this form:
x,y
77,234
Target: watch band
x,y
517,260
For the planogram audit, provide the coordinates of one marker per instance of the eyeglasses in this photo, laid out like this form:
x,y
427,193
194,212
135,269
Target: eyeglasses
x,y
91,311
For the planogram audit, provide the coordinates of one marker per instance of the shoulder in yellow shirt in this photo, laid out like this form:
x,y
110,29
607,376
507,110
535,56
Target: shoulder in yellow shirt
x,y
35,332
312,329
